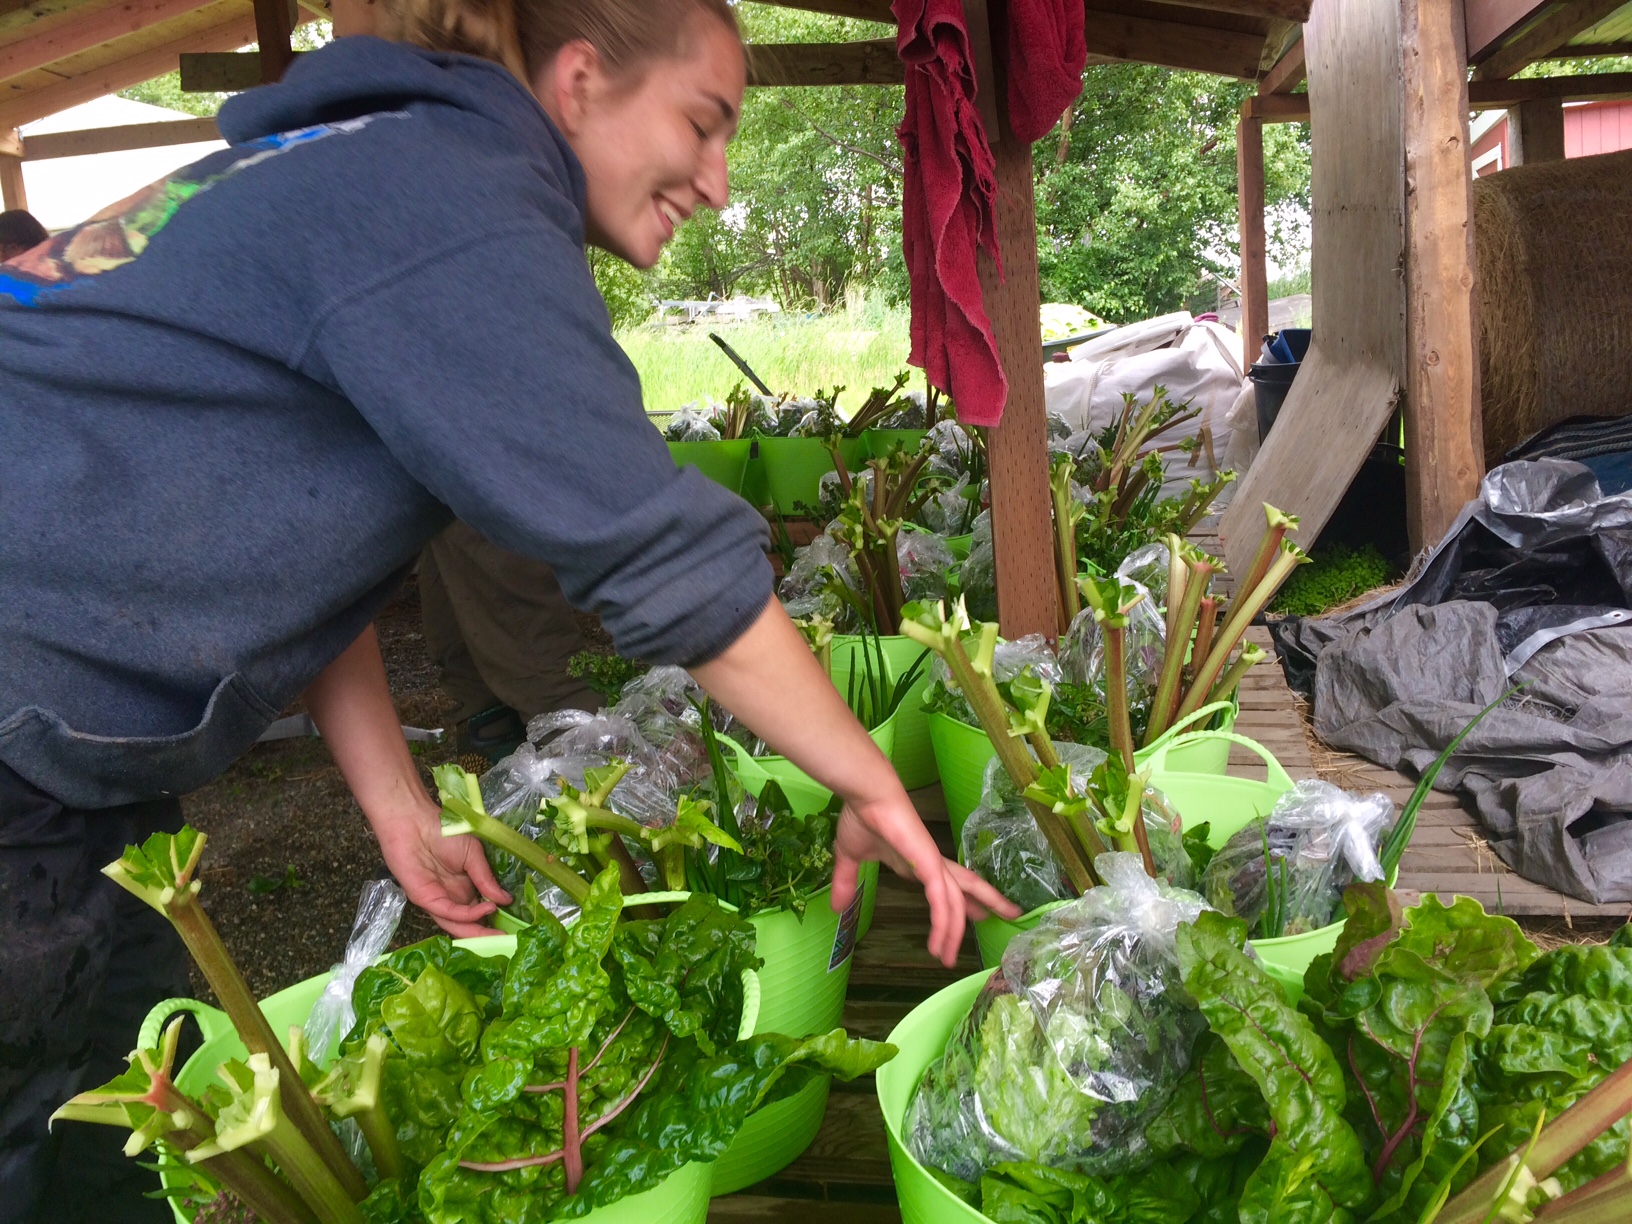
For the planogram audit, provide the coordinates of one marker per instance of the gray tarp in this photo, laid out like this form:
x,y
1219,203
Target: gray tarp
x,y
1533,583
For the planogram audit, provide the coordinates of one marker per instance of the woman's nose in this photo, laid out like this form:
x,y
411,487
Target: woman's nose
x,y
712,178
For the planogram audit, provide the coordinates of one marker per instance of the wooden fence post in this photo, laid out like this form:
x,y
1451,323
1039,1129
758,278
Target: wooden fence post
x,y
1249,171
1444,442
1022,511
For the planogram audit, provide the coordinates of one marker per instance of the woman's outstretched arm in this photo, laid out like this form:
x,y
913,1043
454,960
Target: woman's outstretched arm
x,y
447,877
770,680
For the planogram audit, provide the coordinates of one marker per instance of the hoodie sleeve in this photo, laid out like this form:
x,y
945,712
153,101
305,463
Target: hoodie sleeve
x,y
490,372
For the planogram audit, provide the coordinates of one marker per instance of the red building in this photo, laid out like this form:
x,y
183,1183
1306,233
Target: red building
x,y
1589,127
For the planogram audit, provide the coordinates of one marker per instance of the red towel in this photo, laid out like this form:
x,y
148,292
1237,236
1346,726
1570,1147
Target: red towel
x,y
950,187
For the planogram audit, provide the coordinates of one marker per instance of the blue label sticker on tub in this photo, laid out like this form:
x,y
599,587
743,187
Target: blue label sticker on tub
x,y
844,939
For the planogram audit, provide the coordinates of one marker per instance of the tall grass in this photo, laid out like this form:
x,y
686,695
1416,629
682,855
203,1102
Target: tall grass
x,y
858,348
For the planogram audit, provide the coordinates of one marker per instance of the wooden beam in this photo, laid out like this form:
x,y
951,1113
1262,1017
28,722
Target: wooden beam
x,y
12,192
143,66
221,71
66,38
1249,172
1589,86
1444,435
1117,38
1546,36
120,139
1027,594
858,63
1537,128
11,143
1295,11
1488,22
274,23
1348,385
1589,50
1287,74
1277,108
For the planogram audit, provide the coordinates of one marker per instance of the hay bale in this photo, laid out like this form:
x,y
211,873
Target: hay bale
x,y
1555,295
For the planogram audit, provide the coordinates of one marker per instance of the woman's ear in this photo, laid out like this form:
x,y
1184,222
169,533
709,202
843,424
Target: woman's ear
x,y
570,84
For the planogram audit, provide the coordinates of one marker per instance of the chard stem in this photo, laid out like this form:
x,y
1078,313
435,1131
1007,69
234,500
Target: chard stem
x,y
221,972
382,1140
1177,645
305,1168
1116,693
1246,606
495,832
571,1144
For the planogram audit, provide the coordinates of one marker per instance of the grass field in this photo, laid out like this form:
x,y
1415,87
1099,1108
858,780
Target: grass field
x,y
858,349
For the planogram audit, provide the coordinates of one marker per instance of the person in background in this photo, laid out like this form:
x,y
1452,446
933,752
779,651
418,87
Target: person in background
x,y
19,232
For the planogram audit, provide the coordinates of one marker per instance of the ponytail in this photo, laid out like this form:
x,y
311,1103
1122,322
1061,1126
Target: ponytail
x,y
525,34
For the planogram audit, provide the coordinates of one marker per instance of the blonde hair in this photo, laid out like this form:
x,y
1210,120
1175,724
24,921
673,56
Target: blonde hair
x,y
523,35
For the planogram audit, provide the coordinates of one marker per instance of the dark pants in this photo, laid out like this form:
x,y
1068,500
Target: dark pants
x,y
81,963
498,627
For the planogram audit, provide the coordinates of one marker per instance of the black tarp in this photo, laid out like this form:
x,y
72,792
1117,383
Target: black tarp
x,y
1532,584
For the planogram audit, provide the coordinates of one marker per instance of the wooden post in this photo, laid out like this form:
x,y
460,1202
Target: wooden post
x,y
1537,127
1022,511
274,23
1249,171
1444,444
12,192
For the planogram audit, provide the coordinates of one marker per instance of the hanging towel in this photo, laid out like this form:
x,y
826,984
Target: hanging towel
x,y
949,190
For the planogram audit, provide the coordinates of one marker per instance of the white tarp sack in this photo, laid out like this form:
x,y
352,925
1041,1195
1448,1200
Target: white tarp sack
x,y
1199,363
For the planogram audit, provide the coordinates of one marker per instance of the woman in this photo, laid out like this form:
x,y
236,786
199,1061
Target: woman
x,y
234,408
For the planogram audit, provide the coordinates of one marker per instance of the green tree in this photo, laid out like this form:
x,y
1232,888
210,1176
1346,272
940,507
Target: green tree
x,y
1145,197
166,90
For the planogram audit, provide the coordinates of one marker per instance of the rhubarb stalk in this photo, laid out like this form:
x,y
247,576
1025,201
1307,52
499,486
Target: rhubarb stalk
x,y
1068,512
1276,526
1199,574
460,815
160,872
1558,1141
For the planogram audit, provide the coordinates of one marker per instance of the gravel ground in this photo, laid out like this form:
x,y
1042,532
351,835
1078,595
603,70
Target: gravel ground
x,y
284,805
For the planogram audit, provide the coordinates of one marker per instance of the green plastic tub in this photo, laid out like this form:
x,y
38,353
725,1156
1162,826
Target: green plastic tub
x,y
722,462
756,490
959,545
1227,804
794,468
681,1199
804,793
920,1039
880,442
912,755
962,753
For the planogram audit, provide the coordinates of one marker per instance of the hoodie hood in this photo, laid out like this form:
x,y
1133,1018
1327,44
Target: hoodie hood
x,y
363,75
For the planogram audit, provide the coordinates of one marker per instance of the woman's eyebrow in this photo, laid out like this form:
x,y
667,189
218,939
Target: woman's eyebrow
x,y
726,109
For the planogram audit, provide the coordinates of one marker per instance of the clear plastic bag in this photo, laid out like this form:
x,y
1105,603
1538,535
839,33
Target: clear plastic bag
x,y
978,578
1009,659
925,562
1326,837
1146,568
1082,655
806,589
1002,844
944,512
1075,1043
690,425
379,909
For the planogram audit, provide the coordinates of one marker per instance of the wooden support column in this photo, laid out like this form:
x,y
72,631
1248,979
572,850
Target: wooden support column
x,y
1022,511
1444,443
12,193
274,23
1537,129
1249,172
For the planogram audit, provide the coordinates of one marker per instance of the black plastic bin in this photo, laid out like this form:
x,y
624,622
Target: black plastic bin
x,y
1270,385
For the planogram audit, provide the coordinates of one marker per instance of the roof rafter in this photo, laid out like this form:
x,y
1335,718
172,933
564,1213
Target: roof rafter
x,y
1115,38
69,37
1546,35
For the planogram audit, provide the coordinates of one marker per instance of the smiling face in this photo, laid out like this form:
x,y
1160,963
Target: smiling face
x,y
651,140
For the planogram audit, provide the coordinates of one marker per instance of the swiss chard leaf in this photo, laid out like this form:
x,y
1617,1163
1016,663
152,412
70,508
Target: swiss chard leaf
x,y
687,969
1021,1193
1316,1154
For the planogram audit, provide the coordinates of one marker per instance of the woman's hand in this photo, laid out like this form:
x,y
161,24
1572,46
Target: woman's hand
x,y
447,877
892,834
769,679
